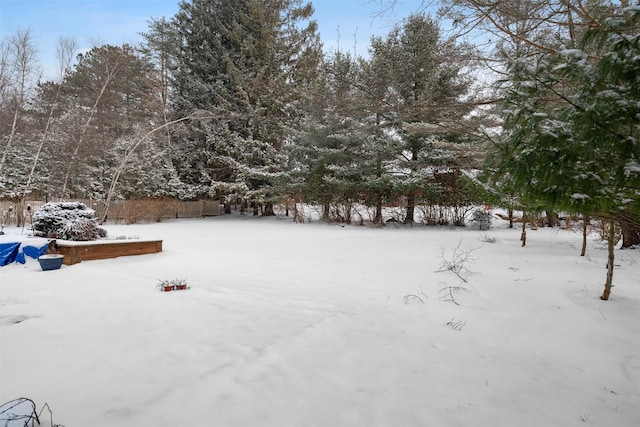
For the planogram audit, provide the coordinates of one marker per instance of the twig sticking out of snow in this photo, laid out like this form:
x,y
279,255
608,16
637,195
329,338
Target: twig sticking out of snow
x,y
449,291
584,418
456,325
458,263
485,238
414,297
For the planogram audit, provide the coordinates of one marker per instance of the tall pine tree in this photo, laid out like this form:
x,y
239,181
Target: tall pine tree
x,y
426,99
247,63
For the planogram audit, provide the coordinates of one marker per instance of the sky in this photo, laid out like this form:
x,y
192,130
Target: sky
x,y
343,24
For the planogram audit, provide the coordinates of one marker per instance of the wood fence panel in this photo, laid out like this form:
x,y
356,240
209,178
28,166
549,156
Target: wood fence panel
x,y
123,211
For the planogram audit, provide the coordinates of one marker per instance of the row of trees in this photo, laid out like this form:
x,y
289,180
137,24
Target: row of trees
x,y
236,100
569,93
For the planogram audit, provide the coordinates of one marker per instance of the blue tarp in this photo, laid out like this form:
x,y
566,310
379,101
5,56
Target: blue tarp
x,y
32,251
8,252
13,252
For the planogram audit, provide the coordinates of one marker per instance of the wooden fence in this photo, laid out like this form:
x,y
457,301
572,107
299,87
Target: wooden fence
x,y
124,211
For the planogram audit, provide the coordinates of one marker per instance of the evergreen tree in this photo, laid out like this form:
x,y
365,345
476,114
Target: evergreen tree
x,y
247,62
571,134
344,152
424,89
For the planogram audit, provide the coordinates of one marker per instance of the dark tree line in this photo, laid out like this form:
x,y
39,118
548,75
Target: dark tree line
x,y
236,100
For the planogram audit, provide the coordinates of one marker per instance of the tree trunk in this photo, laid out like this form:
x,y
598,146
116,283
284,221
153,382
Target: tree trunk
x,y
552,219
523,236
510,214
347,212
268,210
378,218
411,208
297,215
611,242
630,233
585,223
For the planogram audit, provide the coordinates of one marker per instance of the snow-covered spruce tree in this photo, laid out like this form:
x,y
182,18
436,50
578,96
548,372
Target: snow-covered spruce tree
x,y
336,139
605,123
533,133
67,220
571,131
246,62
387,182
16,167
340,152
426,101
329,157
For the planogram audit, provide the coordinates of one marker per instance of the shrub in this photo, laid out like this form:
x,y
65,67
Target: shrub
x,y
481,219
83,229
67,220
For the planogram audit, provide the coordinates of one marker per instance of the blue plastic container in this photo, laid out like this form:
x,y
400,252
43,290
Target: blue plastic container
x,y
51,261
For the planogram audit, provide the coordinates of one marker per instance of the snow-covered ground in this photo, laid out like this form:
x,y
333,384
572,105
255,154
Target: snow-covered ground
x,y
323,325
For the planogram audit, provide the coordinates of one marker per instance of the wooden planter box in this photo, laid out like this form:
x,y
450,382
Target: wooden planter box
x,y
74,252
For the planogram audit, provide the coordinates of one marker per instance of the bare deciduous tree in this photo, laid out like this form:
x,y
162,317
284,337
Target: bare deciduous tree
x,y
65,51
19,73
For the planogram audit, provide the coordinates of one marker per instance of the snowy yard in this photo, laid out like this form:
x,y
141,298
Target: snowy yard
x,y
321,325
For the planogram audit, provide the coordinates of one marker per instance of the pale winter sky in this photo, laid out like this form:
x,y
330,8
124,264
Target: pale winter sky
x,y
119,21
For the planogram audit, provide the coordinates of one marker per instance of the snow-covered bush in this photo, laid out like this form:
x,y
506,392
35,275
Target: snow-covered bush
x,y
481,219
83,229
67,220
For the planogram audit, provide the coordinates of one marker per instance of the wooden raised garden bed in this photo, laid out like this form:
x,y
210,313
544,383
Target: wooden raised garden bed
x,y
74,252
